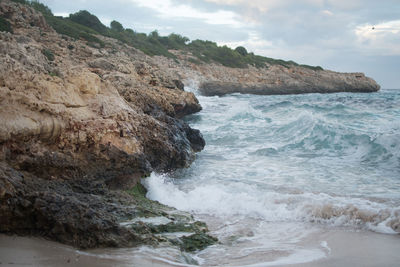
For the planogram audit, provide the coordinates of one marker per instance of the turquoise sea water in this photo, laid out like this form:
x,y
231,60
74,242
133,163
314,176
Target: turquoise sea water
x,y
293,164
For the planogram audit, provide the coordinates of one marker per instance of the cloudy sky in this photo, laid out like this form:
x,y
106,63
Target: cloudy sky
x,y
341,35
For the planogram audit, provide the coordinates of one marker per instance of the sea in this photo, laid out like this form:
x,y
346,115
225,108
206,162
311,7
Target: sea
x,y
284,180
280,172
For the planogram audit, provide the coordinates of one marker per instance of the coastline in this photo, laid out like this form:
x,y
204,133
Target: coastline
x,y
83,123
343,248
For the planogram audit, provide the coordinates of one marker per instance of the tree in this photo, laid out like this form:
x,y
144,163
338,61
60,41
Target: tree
x,y
154,34
116,26
130,31
83,17
241,50
5,25
179,39
45,10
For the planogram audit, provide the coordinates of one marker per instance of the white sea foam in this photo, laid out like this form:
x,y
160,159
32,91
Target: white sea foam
x,y
241,199
276,168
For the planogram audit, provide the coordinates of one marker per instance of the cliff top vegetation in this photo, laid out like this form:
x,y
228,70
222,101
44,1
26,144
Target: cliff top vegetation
x,y
86,26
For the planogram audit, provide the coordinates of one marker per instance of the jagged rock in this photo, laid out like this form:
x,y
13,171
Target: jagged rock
x,y
57,210
86,214
179,84
79,125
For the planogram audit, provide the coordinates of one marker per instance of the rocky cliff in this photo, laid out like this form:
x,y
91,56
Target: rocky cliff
x,y
80,126
215,79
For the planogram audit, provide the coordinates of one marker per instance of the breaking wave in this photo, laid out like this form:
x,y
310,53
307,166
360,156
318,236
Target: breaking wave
x,y
275,167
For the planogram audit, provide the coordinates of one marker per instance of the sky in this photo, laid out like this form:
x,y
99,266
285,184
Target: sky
x,y
340,35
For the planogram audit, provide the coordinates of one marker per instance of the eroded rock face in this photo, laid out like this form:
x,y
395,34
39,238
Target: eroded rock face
x,y
215,79
289,81
78,122
84,213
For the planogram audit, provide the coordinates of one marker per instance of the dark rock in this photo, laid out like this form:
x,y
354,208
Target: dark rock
x,y
182,110
184,141
179,84
86,214
55,209
196,139
303,87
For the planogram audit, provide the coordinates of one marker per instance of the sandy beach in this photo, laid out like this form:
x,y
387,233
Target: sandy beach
x,y
345,248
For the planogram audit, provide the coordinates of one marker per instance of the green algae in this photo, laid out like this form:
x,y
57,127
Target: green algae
x,y
196,242
178,222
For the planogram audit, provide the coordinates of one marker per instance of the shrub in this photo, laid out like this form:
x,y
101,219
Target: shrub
x,y
312,67
174,41
116,26
130,32
48,54
83,17
72,29
21,1
41,8
5,25
241,50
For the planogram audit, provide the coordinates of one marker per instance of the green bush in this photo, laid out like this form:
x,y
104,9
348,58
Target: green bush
x,y
209,51
116,26
5,25
21,1
72,29
41,8
241,50
84,18
312,67
130,31
48,54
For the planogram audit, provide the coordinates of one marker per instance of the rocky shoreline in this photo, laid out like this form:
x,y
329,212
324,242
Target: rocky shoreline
x,y
82,125
214,79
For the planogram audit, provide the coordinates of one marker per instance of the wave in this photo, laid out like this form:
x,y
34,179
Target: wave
x,y
299,129
302,158
246,200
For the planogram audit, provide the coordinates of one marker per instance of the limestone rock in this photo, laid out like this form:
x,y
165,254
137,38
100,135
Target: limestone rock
x,y
215,79
295,80
79,125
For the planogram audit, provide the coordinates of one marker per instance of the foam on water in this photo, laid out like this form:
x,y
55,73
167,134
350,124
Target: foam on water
x,y
278,165
242,199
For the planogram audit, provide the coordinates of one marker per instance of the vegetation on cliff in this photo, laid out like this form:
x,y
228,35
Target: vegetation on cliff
x,y
5,26
84,25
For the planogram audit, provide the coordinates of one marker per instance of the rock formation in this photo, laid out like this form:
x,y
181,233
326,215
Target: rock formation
x,y
81,124
78,122
215,79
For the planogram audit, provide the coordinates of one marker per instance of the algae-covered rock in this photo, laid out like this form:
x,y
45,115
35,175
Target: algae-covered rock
x,y
196,242
164,224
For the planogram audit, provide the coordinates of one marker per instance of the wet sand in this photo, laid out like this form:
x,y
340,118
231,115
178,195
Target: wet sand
x,y
344,248
366,249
